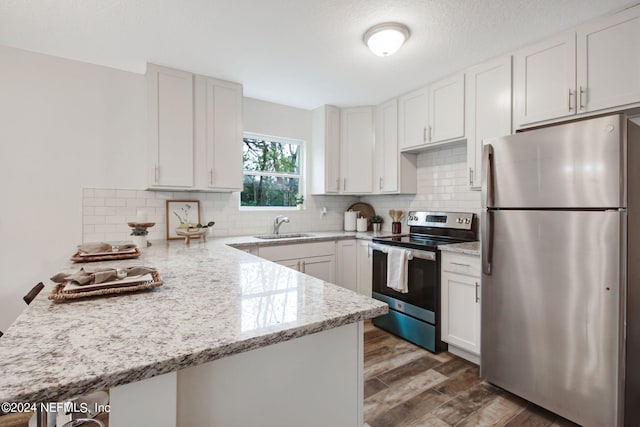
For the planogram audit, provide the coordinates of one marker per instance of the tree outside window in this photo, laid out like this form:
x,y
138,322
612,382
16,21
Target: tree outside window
x,y
272,171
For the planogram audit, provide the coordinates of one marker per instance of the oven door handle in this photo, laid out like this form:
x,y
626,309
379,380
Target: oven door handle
x,y
426,255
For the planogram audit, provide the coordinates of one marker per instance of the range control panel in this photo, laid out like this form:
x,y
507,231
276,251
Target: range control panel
x,y
460,220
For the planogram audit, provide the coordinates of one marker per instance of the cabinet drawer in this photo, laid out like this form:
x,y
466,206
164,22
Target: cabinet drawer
x,y
297,251
468,265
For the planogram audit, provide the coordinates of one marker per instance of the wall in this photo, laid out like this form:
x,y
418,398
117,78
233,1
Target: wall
x,y
65,125
443,184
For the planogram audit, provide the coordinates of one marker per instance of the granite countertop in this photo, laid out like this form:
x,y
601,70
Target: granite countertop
x,y
315,236
469,248
216,301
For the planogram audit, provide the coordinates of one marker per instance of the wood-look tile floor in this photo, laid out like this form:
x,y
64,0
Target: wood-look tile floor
x,y
407,386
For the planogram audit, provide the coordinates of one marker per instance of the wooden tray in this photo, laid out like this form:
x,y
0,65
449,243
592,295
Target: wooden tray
x,y
366,210
58,293
106,257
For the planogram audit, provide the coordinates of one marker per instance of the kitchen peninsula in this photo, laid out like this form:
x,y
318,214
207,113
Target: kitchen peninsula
x,y
229,339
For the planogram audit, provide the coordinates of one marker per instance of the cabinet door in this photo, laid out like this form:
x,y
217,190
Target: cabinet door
x,y
413,118
461,311
356,161
365,268
346,264
325,150
609,62
171,121
446,110
223,135
544,77
488,110
386,177
320,267
293,264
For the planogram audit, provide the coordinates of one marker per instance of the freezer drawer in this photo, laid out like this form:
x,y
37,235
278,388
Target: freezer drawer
x,y
550,309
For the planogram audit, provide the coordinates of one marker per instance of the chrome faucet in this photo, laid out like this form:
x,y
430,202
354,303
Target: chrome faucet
x,y
278,222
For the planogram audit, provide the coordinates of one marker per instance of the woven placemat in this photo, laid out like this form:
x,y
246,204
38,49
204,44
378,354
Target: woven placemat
x,y
105,257
58,294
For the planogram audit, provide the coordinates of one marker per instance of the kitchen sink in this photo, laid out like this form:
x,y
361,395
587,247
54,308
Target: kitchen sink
x,y
282,236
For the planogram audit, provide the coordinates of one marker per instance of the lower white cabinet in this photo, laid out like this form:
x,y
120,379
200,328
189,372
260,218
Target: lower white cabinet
x,y
316,259
460,288
364,263
346,271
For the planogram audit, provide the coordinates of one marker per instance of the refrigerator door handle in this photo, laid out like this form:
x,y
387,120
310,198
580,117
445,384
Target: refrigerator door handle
x,y
487,176
487,242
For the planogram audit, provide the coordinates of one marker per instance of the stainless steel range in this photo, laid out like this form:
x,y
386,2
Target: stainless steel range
x,y
415,314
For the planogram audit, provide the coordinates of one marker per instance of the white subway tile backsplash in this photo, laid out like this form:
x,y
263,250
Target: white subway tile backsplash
x,y
126,194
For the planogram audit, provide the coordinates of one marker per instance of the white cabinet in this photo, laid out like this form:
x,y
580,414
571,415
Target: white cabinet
x,y
446,109
395,172
433,115
544,77
593,68
171,127
346,264
488,110
413,118
608,57
460,288
316,259
325,150
364,263
218,134
356,140
196,131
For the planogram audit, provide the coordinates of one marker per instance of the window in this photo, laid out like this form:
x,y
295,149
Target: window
x,y
272,171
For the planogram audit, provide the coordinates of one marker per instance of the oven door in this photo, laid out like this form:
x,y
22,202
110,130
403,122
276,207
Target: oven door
x,y
422,300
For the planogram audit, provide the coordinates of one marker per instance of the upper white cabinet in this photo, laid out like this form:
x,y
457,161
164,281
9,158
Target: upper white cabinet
x,y
433,115
446,109
413,118
196,131
356,160
325,150
595,68
608,55
218,124
545,80
171,127
395,172
488,110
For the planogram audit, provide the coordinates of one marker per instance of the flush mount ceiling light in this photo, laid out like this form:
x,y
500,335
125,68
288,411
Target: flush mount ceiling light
x,y
385,39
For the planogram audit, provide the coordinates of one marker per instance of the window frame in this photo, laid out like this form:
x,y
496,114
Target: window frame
x,y
301,171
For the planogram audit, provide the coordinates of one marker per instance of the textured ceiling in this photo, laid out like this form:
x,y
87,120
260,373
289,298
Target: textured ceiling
x,y
302,53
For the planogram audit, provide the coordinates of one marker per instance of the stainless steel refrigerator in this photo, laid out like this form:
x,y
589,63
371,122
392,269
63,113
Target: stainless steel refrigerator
x,y
561,268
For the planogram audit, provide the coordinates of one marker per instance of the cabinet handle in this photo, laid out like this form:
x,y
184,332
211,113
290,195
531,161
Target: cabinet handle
x,y
381,185
344,184
581,93
424,134
470,177
337,184
156,173
460,264
477,296
299,269
304,266
570,95
429,133
211,177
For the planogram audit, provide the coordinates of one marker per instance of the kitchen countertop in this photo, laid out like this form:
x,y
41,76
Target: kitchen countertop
x,y
469,248
319,236
216,301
